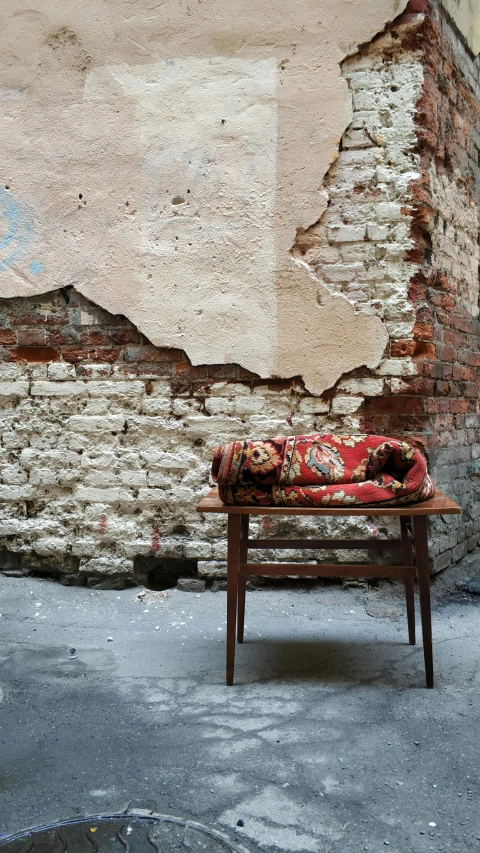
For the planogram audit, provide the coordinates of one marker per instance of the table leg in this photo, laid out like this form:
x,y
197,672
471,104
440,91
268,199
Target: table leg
x,y
242,580
421,554
407,557
233,560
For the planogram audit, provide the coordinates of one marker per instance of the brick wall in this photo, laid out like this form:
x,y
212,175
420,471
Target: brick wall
x,y
107,440
441,402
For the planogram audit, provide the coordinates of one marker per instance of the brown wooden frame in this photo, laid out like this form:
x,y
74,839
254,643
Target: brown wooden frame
x,y
413,544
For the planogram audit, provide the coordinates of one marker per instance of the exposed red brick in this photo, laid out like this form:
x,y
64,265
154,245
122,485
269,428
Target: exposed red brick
x,y
7,337
399,405
41,354
402,348
423,331
424,350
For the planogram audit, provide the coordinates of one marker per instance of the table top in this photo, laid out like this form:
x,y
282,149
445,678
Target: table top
x,y
438,505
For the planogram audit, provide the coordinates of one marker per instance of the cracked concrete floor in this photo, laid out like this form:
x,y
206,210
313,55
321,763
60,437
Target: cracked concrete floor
x,y
327,742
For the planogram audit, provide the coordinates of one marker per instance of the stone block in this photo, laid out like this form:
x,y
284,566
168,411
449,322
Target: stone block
x,y
51,546
191,584
198,550
212,568
106,566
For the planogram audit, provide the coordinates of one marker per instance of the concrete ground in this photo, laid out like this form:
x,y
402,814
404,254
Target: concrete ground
x,y
328,741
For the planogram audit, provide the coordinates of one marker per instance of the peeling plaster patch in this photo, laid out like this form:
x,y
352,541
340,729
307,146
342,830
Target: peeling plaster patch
x,y
94,171
207,134
455,237
357,248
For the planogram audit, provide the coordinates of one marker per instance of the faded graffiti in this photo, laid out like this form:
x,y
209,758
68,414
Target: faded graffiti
x,y
16,230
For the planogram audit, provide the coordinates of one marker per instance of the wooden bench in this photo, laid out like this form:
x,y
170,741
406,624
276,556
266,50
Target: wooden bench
x,y
413,545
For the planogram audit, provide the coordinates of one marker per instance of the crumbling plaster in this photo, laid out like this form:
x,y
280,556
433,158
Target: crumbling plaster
x,y
160,158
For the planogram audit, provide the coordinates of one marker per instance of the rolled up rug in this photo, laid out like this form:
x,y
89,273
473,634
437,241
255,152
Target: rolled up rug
x,y
321,470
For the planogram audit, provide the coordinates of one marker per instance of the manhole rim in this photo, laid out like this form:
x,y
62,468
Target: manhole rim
x,y
142,814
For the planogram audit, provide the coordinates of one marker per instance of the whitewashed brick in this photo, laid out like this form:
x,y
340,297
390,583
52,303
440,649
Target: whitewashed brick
x,y
156,405
61,371
13,475
212,568
51,546
58,389
219,405
246,406
377,232
14,389
124,390
9,372
133,478
107,566
313,405
229,389
16,493
198,550
397,367
388,211
368,387
347,233
43,477
81,423
107,496
346,405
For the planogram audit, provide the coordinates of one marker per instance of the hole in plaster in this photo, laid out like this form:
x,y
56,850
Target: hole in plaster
x,y
160,573
189,190
177,199
7,186
224,121
80,195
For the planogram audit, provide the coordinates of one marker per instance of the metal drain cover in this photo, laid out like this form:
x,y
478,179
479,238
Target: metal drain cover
x,y
127,833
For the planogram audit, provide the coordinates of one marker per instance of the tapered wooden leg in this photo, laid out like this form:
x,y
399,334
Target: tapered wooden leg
x,y
233,560
421,554
407,557
242,580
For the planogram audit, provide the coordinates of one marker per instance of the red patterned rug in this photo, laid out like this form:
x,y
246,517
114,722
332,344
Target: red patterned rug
x,y
321,470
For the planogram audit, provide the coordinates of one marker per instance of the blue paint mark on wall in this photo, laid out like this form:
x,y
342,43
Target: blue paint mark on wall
x,y
16,228
36,267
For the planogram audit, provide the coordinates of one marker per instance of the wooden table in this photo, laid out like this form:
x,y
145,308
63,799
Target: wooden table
x,y
413,544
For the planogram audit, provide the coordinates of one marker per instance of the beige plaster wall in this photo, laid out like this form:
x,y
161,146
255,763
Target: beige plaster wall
x,y
161,157
466,14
